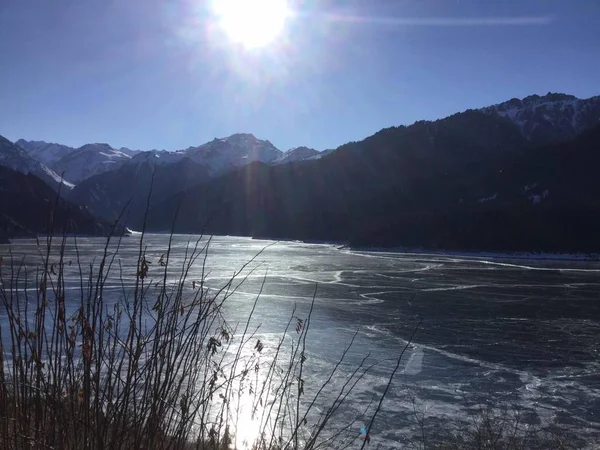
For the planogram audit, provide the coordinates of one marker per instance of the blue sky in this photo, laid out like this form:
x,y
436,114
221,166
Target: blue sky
x,y
153,73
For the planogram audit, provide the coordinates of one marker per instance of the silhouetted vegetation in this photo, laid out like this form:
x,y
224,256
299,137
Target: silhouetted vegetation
x,y
158,365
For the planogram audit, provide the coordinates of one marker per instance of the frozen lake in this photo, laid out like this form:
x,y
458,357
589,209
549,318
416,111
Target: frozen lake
x,y
495,331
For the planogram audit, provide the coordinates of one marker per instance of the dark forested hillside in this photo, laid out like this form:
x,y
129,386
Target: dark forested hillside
x,y
520,175
470,181
126,189
27,205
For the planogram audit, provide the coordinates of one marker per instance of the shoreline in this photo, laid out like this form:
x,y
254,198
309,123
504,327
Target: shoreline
x,y
416,251
476,254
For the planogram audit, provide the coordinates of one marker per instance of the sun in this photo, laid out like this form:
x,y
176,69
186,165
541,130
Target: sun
x,y
252,23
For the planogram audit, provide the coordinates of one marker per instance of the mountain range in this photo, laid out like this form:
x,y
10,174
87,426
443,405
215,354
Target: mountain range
x,y
519,175
218,156
107,193
75,164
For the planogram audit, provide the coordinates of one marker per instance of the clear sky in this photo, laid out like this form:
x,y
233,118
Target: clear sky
x,y
160,74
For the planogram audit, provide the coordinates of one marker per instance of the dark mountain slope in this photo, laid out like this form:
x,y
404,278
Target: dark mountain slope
x,y
471,181
408,162
108,193
545,199
26,203
324,198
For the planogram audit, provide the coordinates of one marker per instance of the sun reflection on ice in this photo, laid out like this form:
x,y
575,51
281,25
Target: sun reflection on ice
x,y
247,426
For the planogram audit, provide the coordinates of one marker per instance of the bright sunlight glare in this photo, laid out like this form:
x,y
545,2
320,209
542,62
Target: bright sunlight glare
x,y
251,23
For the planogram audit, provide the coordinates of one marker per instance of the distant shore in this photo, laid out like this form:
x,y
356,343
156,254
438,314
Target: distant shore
x,y
480,254
476,254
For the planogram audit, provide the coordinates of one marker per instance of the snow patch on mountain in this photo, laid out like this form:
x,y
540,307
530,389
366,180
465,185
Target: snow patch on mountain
x,y
488,199
56,177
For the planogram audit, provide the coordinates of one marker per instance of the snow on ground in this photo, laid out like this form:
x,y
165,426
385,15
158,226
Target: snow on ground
x,y
488,199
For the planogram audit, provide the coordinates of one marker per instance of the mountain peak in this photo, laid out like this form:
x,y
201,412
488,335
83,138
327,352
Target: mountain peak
x,y
245,139
97,146
237,150
242,136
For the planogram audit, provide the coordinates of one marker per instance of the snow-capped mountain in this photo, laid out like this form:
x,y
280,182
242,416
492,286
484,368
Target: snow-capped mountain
x,y
15,158
107,193
549,118
218,156
221,155
82,162
511,176
47,153
89,160
296,154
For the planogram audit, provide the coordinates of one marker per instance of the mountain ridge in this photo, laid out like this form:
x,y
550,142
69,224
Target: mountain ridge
x,y
554,116
219,155
424,178
523,112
